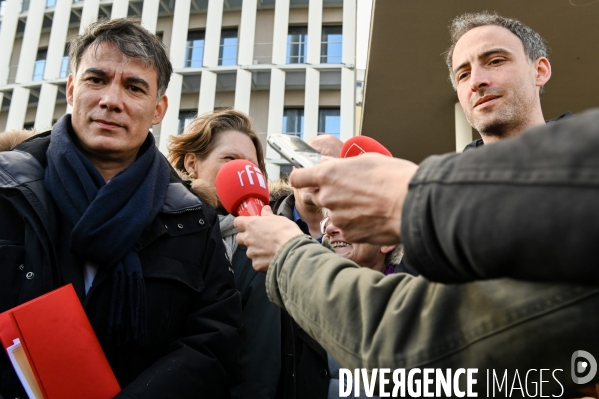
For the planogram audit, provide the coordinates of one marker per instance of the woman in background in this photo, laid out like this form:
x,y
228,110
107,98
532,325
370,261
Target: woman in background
x,y
210,141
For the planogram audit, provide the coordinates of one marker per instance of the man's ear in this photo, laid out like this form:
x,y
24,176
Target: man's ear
x,y
160,111
387,248
189,162
542,70
70,88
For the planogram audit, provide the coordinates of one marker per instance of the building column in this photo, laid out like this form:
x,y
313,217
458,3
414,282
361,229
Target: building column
x,y
18,108
247,33
58,38
349,32
8,31
214,21
280,32
170,122
243,90
276,105
207,92
463,130
314,31
45,109
179,35
311,103
120,9
276,102
31,40
89,13
149,15
348,103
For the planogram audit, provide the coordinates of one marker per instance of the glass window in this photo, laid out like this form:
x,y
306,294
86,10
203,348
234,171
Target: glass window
x,y
64,66
50,3
25,5
329,121
185,118
227,53
297,45
40,64
332,45
194,52
293,121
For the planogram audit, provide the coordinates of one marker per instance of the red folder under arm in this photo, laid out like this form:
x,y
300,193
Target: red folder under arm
x,y
61,346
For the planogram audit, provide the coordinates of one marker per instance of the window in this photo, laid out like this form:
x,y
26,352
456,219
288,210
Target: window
x,y
185,118
64,66
40,64
293,121
227,53
25,5
297,45
329,121
50,3
332,45
194,53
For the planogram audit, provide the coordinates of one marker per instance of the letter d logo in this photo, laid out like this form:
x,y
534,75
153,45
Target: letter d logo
x,y
583,366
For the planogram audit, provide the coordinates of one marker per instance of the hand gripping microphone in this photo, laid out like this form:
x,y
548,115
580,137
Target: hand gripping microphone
x,y
242,188
360,144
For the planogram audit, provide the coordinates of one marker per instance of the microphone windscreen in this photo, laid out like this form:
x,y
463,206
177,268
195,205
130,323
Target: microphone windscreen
x,y
239,180
360,144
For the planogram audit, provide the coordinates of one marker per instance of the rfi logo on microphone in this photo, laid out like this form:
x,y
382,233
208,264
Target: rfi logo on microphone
x,y
248,170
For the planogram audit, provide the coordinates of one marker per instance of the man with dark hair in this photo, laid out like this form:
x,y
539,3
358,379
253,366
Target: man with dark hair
x,y
498,67
95,204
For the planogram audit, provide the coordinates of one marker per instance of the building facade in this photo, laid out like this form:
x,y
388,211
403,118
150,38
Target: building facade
x,y
289,64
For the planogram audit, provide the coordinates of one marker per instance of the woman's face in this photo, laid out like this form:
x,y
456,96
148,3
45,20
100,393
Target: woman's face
x,y
229,145
365,255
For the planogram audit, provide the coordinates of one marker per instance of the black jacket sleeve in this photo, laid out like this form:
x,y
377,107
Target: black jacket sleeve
x,y
524,208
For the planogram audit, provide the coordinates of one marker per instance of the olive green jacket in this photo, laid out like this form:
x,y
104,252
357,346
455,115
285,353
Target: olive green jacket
x,y
367,320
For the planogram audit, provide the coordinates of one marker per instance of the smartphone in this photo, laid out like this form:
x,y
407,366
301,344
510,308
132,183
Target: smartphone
x,y
295,150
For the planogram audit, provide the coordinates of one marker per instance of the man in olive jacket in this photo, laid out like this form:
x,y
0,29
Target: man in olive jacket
x,y
93,203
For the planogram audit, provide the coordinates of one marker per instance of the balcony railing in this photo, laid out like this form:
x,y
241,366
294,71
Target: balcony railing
x,y
194,56
38,70
228,54
262,53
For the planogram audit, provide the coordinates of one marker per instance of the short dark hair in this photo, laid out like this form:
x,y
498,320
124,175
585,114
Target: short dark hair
x,y
533,43
132,39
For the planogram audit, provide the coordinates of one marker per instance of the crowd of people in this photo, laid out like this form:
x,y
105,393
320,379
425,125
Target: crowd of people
x,y
480,260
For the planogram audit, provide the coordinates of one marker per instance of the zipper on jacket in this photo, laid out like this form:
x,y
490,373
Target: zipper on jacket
x,y
199,208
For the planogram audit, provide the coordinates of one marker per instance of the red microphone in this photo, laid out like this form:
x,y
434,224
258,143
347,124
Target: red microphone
x,y
242,188
360,144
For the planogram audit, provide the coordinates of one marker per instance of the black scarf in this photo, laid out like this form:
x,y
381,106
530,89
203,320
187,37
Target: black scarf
x,y
108,218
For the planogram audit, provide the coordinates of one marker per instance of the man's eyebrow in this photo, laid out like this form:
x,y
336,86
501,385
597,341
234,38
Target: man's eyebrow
x,y
130,79
483,55
94,71
138,80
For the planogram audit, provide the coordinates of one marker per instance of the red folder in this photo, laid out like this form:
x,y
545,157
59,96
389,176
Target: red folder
x,y
61,346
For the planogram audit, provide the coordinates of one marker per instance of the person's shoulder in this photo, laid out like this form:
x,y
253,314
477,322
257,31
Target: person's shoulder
x,y
25,163
563,116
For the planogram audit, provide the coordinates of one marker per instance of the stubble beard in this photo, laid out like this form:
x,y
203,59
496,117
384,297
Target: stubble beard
x,y
508,120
